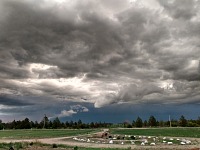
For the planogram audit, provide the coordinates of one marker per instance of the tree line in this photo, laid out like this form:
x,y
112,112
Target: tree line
x,y
57,124
153,122
52,124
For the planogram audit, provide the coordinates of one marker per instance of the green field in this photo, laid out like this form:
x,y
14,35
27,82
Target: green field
x,y
45,133
41,133
171,132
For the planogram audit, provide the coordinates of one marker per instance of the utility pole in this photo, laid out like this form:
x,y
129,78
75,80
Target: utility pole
x,y
44,120
170,124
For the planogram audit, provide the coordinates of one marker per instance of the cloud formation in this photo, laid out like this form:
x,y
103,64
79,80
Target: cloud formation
x,y
99,52
74,109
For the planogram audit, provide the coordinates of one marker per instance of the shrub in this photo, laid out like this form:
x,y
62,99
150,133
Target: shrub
x,y
18,146
76,148
54,146
129,148
11,148
118,137
133,137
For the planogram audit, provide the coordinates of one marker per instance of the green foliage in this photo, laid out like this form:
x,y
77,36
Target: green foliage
x,y
1,125
129,126
18,146
192,124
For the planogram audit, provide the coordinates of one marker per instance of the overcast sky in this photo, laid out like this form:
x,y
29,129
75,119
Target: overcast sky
x,y
67,58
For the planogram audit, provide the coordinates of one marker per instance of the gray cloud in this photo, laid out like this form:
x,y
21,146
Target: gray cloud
x,y
100,52
74,109
180,9
12,101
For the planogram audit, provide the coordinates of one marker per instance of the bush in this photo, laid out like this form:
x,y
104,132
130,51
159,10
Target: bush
x,y
129,126
54,146
76,148
133,137
11,148
19,146
192,124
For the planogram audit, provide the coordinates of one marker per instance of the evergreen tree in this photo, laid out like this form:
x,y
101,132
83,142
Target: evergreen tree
x,y
36,124
50,124
56,123
32,124
182,121
1,125
145,124
133,123
161,123
13,124
138,122
198,121
152,121
92,125
25,124
67,124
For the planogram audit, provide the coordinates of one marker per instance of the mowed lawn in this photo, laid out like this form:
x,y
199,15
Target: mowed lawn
x,y
171,132
42,133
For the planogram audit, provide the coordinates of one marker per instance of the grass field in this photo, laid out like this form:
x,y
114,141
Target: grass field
x,y
45,133
171,132
41,133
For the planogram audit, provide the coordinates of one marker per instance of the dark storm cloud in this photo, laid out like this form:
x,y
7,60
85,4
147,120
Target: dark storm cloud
x,y
31,34
12,101
101,51
130,93
93,46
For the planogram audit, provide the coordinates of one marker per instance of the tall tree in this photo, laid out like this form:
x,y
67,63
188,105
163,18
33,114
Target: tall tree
x,y
152,121
133,123
198,121
1,125
145,124
13,124
25,124
161,123
182,121
138,122
56,123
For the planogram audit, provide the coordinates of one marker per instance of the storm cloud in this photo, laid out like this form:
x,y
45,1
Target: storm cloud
x,y
99,52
